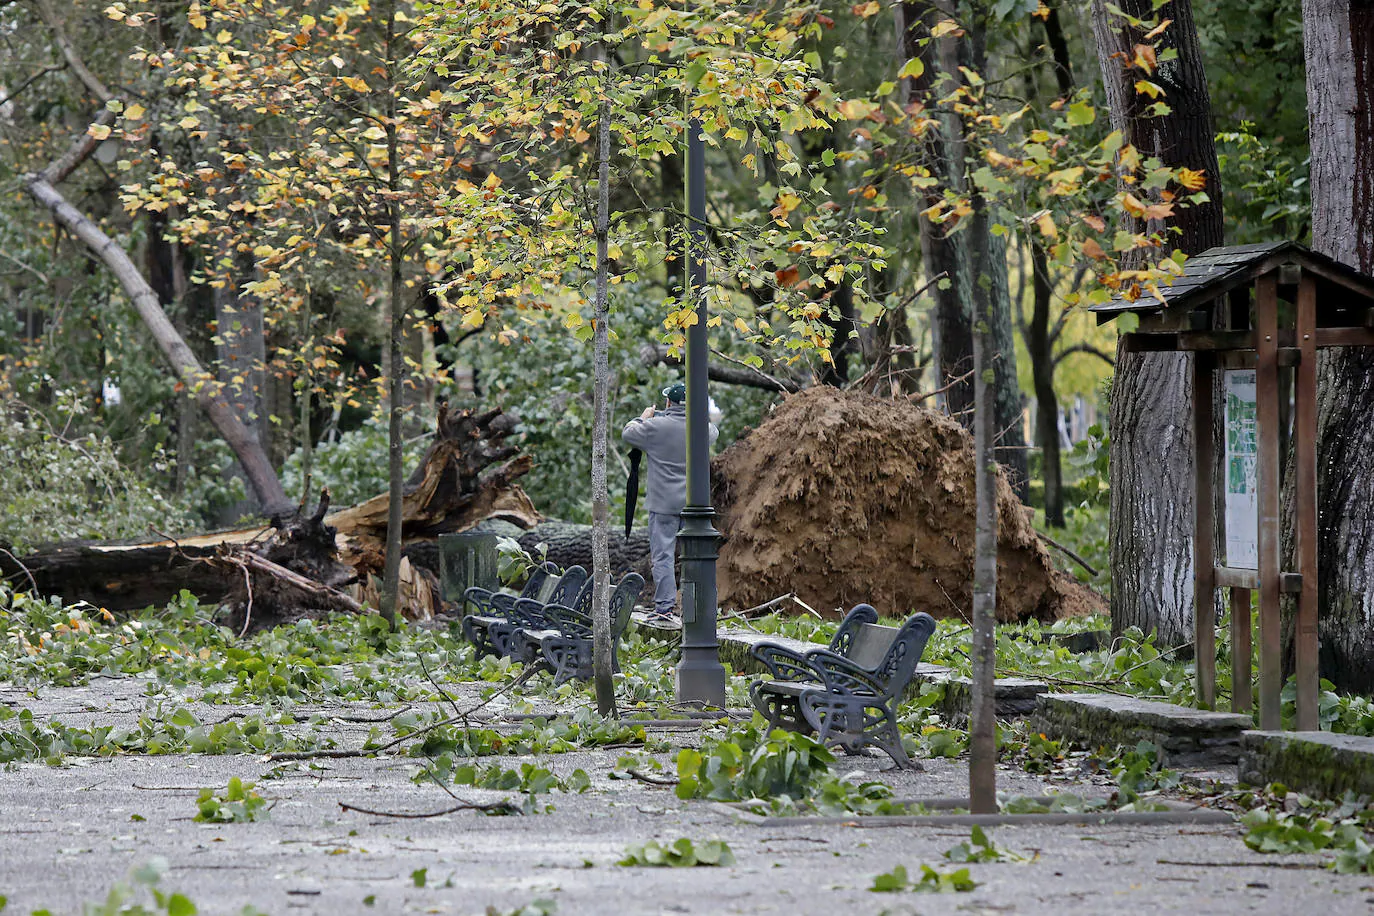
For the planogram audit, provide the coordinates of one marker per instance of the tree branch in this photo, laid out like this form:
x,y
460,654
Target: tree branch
x,y
654,354
1083,348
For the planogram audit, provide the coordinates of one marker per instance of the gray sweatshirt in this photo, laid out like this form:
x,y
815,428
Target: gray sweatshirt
x,y
663,439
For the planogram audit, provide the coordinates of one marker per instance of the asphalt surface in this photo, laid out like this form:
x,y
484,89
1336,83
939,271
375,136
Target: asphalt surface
x,y
70,833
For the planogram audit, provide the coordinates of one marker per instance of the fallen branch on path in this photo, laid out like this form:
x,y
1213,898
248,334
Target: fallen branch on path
x,y
503,806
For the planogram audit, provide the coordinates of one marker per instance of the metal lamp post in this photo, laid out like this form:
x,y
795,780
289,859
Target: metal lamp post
x,y
700,675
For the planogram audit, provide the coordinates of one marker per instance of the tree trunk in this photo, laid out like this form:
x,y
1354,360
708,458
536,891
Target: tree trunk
x,y
391,579
1039,342
982,719
1041,351
1152,486
1339,43
601,376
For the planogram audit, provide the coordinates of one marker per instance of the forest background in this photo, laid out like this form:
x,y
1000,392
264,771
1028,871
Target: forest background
x,y
287,297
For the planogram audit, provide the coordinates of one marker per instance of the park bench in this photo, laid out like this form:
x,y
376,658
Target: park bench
x,y
485,602
490,632
566,645
847,693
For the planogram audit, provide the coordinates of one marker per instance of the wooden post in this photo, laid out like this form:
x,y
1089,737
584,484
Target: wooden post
x,y
1267,434
1240,650
1305,501
1204,539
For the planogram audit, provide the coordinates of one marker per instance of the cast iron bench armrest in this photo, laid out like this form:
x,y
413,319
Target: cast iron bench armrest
x,y
840,675
784,664
480,599
531,614
568,621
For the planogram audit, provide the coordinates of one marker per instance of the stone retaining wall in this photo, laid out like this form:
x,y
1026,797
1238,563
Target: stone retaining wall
x,y
1186,737
1317,763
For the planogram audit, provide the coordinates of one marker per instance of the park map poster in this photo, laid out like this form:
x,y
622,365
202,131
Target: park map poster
x,y
1242,452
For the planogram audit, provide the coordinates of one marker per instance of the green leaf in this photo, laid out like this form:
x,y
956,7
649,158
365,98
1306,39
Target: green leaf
x,y
912,69
180,905
419,876
1081,114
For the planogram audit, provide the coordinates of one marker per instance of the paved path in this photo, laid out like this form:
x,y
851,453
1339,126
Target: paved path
x,y
68,833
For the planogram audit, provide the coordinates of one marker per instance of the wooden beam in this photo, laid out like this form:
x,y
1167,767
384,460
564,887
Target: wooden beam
x,y
1267,435
1344,337
1204,537
1240,650
1226,577
1226,341
1305,501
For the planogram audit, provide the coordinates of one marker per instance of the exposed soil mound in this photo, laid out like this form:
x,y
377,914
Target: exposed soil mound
x,y
843,497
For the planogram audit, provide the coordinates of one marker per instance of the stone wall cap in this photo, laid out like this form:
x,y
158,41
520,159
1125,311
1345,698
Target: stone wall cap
x,y
1148,712
1254,737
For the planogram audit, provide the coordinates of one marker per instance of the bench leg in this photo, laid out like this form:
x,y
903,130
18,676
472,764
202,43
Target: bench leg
x,y
479,637
780,711
846,721
568,657
884,735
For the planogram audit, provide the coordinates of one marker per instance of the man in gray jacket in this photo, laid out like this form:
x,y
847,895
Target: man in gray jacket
x,y
662,436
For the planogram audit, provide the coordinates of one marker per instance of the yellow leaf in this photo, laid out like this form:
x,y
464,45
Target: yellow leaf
x,y
307,22
1191,179
946,27
741,326
134,112
196,18
224,37
835,273
856,109
115,11
1045,223
99,131
374,133
189,122
865,10
1132,205
354,83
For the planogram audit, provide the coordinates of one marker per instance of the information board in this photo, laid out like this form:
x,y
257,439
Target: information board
x,y
1242,453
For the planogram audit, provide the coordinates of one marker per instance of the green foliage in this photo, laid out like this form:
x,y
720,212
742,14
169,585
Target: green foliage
x,y
1266,187
1042,753
556,408
1137,772
533,908
353,466
931,880
238,804
752,762
60,485
681,853
515,563
529,779
141,896
24,739
979,847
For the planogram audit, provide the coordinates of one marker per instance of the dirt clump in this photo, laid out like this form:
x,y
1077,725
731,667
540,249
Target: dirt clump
x,y
843,497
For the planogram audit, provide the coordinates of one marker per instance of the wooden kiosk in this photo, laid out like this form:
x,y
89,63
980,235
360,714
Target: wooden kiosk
x,y
1258,314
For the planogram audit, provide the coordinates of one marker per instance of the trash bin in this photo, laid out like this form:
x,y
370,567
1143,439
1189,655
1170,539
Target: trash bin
x,y
466,560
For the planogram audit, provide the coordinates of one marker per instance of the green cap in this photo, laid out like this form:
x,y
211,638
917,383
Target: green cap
x,y
676,392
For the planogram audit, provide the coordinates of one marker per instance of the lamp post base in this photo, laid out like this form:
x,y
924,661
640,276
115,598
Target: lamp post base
x,y
700,676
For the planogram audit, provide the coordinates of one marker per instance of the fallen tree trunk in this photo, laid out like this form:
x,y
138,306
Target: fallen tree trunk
x,y
307,564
